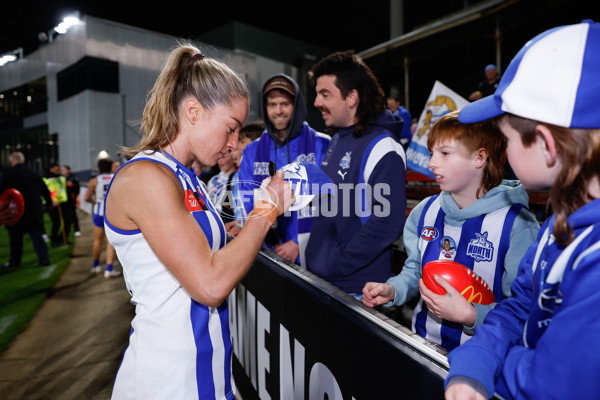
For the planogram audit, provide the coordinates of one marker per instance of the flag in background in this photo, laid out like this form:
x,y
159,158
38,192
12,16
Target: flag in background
x,y
442,100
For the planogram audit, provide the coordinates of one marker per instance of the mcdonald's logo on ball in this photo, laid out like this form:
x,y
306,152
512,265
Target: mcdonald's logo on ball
x,y
468,283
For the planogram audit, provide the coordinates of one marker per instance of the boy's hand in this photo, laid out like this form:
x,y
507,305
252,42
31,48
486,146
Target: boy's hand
x,y
375,293
451,306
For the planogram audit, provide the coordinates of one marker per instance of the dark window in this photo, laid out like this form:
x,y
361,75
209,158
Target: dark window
x,y
38,145
20,102
89,73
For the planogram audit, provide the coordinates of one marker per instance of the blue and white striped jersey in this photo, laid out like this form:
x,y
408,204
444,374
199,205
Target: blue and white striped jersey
x,y
102,184
480,244
178,348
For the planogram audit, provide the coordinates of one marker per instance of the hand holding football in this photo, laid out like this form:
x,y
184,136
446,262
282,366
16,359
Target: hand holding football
x,y
470,285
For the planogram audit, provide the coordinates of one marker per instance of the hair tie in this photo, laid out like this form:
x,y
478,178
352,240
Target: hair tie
x,y
197,57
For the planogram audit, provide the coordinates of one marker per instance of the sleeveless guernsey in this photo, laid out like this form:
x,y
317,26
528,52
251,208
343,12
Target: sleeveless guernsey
x,y
178,348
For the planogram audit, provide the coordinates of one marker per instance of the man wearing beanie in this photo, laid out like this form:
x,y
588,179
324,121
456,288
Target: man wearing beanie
x,y
287,138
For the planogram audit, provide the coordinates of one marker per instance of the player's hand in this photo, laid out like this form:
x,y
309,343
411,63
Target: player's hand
x,y
279,192
273,198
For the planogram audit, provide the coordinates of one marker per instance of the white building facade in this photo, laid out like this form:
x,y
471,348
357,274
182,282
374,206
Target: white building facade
x,y
84,92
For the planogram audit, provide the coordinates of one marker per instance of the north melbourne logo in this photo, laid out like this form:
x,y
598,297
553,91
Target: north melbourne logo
x,y
480,248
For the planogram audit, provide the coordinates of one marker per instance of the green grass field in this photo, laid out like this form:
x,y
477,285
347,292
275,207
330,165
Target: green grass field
x,y
23,291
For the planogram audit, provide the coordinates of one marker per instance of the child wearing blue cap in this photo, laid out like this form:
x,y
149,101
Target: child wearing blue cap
x,y
543,341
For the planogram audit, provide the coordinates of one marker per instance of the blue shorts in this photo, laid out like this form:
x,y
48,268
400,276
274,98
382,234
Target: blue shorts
x,y
98,220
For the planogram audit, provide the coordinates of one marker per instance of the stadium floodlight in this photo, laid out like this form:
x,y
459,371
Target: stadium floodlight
x,y
11,56
5,59
67,23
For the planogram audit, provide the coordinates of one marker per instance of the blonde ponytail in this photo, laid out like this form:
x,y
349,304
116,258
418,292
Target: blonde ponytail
x,y
187,72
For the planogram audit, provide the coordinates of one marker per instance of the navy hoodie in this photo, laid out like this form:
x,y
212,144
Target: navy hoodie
x,y
351,239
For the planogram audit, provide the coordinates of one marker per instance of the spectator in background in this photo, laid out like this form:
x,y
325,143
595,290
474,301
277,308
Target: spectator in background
x,y
207,172
355,245
487,86
395,106
249,133
414,125
288,138
32,187
219,187
115,167
95,194
477,209
57,185
73,189
197,168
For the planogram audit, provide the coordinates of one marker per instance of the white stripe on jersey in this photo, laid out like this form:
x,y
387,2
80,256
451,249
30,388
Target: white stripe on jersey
x,y
491,226
218,366
102,182
216,233
384,146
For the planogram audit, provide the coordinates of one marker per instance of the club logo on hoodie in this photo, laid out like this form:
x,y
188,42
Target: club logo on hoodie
x,y
345,161
480,248
345,164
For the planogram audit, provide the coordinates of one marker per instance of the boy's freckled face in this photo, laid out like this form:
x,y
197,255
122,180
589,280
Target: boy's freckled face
x,y
454,167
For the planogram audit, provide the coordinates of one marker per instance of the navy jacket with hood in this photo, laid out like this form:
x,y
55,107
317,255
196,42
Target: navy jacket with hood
x,y
302,144
351,240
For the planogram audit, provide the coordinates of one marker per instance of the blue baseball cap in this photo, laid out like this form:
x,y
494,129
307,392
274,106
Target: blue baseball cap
x,y
554,78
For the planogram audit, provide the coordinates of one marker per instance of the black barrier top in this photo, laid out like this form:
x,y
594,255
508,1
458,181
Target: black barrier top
x,y
297,336
429,349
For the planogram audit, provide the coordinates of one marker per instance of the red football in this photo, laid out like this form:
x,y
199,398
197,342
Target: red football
x,y
468,283
12,206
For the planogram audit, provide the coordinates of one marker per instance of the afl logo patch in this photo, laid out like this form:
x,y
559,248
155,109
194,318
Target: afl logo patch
x,y
194,202
429,233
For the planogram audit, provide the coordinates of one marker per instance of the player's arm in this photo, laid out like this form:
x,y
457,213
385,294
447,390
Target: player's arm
x,y
175,236
89,194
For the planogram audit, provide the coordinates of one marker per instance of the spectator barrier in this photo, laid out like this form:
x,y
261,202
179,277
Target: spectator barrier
x,y
295,336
